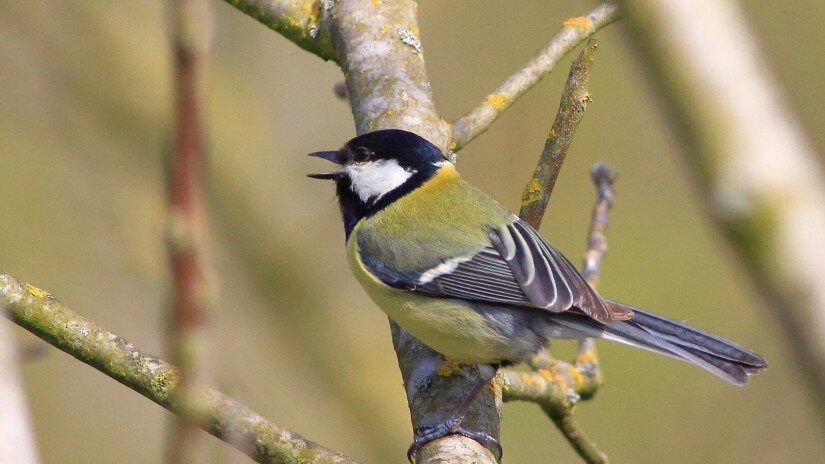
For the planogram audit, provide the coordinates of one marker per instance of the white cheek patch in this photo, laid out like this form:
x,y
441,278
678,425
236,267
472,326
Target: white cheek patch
x,y
375,179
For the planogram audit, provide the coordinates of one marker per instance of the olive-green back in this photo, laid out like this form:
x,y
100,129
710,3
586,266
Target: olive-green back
x,y
444,218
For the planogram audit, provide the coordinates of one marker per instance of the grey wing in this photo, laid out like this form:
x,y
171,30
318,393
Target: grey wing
x,y
548,279
519,268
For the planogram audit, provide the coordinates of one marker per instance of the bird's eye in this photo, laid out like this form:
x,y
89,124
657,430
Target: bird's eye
x,y
361,154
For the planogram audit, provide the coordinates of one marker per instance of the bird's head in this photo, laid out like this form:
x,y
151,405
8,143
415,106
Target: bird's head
x,y
378,168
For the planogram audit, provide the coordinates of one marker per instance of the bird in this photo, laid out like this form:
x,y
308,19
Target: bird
x,y
473,281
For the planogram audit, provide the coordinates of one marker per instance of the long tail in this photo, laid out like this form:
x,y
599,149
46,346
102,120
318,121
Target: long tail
x,y
724,358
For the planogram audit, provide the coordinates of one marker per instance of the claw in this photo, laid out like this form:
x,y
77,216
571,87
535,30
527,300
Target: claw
x,y
427,433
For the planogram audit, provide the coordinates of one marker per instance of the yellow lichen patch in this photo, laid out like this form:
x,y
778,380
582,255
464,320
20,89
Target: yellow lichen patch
x,y
383,29
448,368
498,100
534,185
578,378
314,13
167,380
545,373
453,146
306,8
413,28
375,2
586,357
390,112
532,192
580,21
495,386
531,380
37,292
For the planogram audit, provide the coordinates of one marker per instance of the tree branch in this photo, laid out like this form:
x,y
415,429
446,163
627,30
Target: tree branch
x,y
297,20
266,443
560,385
574,100
575,31
762,182
190,23
378,48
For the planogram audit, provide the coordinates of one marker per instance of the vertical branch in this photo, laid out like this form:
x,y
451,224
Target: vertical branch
x,y
380,53
189,21
16,440
762,181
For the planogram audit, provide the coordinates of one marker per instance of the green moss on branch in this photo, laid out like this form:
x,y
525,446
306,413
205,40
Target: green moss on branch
x,y
43,315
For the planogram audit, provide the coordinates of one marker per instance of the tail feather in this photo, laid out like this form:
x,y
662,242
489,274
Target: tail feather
x,y
724,358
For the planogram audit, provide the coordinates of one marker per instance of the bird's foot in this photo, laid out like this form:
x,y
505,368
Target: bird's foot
x,y
427,433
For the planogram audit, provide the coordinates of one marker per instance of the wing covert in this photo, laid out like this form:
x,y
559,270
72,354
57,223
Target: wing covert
x,y
519,268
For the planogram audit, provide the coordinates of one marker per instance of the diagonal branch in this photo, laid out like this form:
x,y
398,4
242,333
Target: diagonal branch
x,y
575,31
266,443
574,101
297,20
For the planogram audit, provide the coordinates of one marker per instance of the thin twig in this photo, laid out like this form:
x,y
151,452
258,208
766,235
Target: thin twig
x,y
570,428
575,31
603,179
190,25
574,101
43,315
762,180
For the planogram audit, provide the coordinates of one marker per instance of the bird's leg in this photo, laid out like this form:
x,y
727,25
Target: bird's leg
x,y
429,432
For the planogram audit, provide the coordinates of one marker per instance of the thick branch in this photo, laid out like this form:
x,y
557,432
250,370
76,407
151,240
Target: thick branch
x,y
152,377
762,181
575,31
379,51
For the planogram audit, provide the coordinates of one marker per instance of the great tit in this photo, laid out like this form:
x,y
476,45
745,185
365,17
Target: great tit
x,y
474,282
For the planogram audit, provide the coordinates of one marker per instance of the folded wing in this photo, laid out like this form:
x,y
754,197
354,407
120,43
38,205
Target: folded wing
x,y
519,268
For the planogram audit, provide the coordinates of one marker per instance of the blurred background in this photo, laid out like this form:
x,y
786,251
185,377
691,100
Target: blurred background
x,y
85,122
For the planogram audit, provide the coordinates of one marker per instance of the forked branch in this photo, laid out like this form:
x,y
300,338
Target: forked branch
x,y
574,32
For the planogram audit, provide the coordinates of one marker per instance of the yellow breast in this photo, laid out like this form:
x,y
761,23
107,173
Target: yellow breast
x,y
449,326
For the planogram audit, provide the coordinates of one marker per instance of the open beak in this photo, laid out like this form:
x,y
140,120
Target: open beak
x,y
331,156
